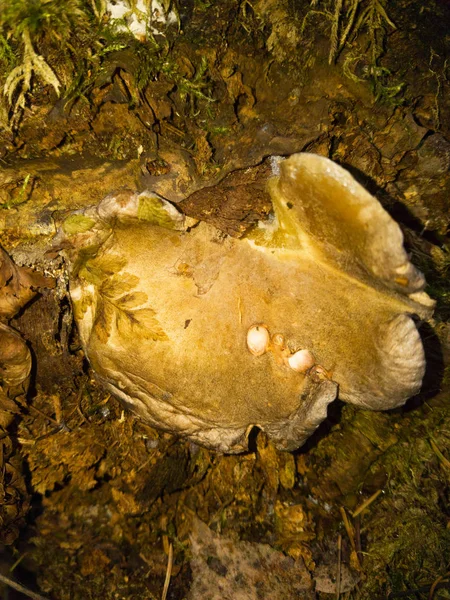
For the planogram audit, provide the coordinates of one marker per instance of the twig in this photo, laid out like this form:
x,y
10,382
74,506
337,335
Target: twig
x,y
444,461
348,528
443,585
338,574
168,573
58,409
20,588
172,129
144,464
435,585
18,561
44,415
359,553
53,431
79,401
366,503
354,559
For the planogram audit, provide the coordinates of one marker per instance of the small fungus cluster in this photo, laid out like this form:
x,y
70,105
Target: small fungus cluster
x,y
259,342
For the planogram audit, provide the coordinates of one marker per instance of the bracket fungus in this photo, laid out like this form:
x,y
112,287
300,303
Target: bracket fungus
x,y
208,336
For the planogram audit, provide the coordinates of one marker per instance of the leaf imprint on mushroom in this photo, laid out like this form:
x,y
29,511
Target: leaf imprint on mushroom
x,y
118,305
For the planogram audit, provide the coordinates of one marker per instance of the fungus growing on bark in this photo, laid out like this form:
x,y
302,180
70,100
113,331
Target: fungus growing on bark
x,y
168,312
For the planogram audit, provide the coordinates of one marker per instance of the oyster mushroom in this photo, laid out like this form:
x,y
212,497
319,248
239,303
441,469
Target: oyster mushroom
x,y
165,309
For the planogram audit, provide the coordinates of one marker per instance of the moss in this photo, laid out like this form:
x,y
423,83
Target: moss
x,y
73,48
407,534
30,25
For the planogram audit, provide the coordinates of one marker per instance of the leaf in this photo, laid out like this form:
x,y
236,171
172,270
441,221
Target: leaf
x,y
109,264
158,212
117,285
103,321
77,224
132,300
91,274
98,269
7,404
46,72
84,254
141,323
17,285
117,303
80,306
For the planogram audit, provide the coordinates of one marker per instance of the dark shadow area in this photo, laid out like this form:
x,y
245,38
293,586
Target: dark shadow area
x,y
21,575
397,210
417,593
333,418
254,432
434,372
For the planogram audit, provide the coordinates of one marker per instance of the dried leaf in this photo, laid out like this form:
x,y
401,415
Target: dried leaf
x,y
142,323
117,285
7,404
15,357
77,224
81,306
17,285
96,270
83,255
132,300
6,418
35,280
104,320
158,212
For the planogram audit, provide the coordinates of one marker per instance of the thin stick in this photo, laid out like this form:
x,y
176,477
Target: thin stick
x,y
358,540
338,574
18,561
43,414
441,457
366,503
348,528
168,573
351,536
58,408
21,588
79,409
435,585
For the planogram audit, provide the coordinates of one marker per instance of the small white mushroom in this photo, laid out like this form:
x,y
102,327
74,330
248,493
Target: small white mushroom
x,y
258,339
301,361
